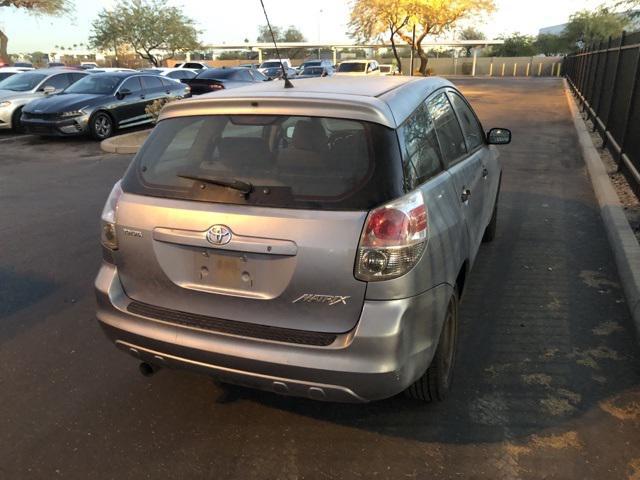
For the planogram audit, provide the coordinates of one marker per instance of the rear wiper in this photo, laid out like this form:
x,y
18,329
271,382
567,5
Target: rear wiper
x,y
243,187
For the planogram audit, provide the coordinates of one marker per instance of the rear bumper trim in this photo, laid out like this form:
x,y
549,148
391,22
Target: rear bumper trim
x,y
232,327
286,386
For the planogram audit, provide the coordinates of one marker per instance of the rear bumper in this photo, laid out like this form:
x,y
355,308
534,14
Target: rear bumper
x,y
59,128
391,346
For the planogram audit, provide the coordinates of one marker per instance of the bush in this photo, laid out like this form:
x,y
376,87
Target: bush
x,y
154,108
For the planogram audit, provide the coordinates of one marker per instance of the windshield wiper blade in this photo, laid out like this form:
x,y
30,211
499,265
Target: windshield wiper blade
x,y
243,187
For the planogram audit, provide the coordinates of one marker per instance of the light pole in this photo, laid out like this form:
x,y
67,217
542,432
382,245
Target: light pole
x,y
319,24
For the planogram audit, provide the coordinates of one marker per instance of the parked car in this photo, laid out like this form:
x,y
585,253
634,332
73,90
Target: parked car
x,y
215,79
315,63
192,65
273,63
358,67
88,65
250,65
276,72
6,72
311,72
23,64
111,70
56,65
388,69
313,245
174,73
18,90
100,104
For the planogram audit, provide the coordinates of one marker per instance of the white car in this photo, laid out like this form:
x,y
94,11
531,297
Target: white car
x,y
173,73
274,63
6,72
192,65
389,69
18,90
359,67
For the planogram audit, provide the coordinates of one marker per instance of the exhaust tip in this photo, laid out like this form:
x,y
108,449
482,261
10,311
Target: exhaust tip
x,y
146,369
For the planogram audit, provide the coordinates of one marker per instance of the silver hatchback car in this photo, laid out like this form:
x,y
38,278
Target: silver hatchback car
x,y
311,241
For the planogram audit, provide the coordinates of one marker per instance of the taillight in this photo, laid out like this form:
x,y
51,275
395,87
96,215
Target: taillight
x,y
108,219
393,239
216,86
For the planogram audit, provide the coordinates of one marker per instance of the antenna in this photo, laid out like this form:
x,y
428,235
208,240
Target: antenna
x,y
287,82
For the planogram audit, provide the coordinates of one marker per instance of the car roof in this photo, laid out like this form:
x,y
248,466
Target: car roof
x,y
387,100
52,70
359,61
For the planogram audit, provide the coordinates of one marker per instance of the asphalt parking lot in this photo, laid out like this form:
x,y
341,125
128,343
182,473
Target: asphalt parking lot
x,y
547,383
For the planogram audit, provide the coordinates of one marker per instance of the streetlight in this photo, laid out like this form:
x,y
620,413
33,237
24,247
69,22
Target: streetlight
x,y
319,23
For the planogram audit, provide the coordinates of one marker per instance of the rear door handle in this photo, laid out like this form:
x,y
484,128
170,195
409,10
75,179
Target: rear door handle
x,y
485,173
466,193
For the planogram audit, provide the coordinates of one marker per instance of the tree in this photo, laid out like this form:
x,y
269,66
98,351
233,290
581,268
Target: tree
x,y
290,34
147,27
516,45
428,17
549,44
38,58
43,7
471,33
586,27
375,18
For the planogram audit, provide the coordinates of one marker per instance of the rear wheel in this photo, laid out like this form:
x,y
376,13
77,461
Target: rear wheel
x,y
436,381
16,124
101,126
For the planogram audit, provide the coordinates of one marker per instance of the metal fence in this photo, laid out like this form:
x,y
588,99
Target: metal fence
x,y
606,79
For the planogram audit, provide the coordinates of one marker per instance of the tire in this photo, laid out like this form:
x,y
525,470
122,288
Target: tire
x,y
435,383
16,124
490,231
101,126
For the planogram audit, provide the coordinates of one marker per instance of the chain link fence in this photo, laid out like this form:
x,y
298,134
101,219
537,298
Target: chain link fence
x,y
605,77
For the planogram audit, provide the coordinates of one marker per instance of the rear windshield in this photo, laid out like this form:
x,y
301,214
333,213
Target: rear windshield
x,y
289,162
352,67
216,73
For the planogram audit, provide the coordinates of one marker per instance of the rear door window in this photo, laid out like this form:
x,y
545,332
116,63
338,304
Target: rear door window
x,y
151,83
473,134
291,162
421,153
450,138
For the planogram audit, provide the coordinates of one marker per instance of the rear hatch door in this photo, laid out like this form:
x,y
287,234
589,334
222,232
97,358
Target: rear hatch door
x,y
281,254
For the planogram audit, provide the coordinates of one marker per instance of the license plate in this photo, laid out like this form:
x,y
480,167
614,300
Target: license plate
x,y
221,269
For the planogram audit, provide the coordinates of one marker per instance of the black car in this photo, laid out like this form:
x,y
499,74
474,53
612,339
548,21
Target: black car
x,y
214,79
310,72
99,104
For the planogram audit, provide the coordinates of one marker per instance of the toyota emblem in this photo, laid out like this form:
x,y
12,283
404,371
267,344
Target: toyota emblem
x,y
219,235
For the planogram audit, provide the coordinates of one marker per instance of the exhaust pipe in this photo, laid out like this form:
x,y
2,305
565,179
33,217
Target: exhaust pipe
x,y
146,369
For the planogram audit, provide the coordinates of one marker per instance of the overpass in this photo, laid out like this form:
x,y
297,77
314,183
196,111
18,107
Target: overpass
x,y
260,47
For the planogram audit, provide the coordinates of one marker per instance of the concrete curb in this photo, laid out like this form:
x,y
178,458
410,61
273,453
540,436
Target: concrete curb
x,y
125,144
626,250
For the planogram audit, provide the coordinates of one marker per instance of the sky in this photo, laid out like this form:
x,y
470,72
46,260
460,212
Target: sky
x,y
233,21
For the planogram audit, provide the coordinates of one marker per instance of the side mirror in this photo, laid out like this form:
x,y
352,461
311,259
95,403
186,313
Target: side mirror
x,y
123,93
499,136
49,89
